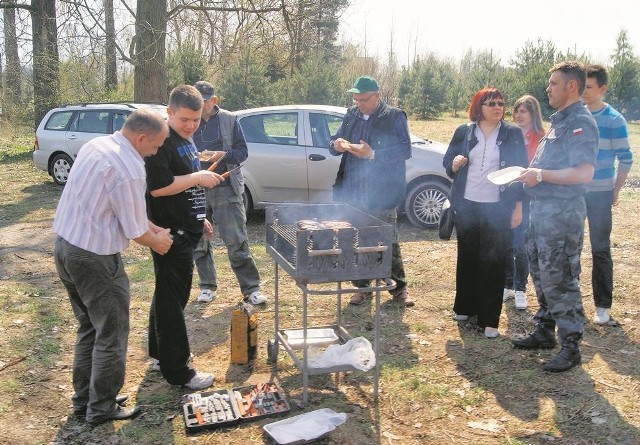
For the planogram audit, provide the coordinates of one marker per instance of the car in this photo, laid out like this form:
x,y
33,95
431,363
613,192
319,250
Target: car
x,y
289,161
65,129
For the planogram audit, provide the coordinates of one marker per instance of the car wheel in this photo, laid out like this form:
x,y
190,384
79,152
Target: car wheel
x,y
423,204
246,199
60,168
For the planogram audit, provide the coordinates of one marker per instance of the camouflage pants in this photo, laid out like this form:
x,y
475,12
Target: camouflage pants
x,y
554,244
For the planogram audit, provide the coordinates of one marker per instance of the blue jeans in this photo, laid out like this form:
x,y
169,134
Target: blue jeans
x,y
517,267
226,210
98,290
600,222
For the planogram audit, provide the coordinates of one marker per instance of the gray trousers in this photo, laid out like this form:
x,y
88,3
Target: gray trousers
x,y
98,289
226,210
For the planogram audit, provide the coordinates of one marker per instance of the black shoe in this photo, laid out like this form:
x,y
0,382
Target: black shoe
x,y
81,412
566,359
541,338
120,413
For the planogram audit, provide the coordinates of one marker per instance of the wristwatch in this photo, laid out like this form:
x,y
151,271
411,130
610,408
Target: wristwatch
x,y
539,175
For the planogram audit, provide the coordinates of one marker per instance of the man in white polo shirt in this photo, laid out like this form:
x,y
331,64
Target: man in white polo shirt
x,y
103,207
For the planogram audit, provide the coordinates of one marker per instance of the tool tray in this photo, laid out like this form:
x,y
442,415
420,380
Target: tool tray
x,y
224,407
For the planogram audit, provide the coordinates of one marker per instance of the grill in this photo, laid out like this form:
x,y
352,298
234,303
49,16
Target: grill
x,y
321,255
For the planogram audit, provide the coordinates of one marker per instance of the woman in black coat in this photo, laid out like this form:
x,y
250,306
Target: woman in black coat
x,y
484,212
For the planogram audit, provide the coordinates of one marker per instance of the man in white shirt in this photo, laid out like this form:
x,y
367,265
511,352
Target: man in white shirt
x,y
101,208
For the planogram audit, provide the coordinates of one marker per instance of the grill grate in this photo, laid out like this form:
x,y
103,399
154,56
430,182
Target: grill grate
x,y
361,251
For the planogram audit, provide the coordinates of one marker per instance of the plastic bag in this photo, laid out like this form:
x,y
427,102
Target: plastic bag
x,y
357,352
308,426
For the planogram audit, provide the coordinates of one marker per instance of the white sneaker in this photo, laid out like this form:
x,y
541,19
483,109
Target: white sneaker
x,y
521,300
155,364
490,332
601,316
201,380
507,294
256,297
460,317
206,295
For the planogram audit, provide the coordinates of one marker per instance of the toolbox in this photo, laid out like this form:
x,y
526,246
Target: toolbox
x,y
225,407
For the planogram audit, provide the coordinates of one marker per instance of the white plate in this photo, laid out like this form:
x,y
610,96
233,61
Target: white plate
x,y
505,175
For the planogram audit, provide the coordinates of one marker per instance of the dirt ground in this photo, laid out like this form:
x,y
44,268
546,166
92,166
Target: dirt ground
x,y
441,381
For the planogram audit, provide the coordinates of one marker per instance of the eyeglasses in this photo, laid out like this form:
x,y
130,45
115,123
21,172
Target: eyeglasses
x,y
361,101
493,103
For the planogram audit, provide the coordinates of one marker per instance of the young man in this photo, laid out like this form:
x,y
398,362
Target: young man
x,y
604,189
176,199
102,207
374,143
218,135
556,183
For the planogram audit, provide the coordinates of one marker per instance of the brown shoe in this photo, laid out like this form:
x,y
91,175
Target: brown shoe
x,y
360,298
403,297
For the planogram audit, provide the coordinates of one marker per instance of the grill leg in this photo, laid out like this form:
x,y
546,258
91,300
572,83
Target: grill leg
x,y
273,347
376,332
305,369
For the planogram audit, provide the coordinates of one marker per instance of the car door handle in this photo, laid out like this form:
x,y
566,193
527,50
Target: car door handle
x,y
315,157
73,137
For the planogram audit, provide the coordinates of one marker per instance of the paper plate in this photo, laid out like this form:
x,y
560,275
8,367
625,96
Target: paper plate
x,y
505,175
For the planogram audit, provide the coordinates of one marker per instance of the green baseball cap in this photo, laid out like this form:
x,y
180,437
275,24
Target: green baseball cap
x,y
364,84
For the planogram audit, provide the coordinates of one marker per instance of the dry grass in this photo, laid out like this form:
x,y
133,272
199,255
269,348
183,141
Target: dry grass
x,y
441,382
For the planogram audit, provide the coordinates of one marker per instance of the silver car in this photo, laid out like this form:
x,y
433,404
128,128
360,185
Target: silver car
x,y
289,161
64,130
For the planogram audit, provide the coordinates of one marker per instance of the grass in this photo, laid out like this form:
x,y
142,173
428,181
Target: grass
x,y
441,382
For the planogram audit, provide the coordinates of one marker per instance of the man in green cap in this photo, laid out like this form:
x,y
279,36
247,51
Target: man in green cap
x,y
374,143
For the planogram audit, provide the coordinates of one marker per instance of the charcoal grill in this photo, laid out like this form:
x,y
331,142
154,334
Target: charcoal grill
x,y
327,255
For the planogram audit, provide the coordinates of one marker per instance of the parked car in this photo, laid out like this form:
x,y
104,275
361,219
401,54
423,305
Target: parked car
x,y
289,161
65,129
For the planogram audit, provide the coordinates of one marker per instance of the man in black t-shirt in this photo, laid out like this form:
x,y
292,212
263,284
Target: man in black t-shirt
x,y
176,199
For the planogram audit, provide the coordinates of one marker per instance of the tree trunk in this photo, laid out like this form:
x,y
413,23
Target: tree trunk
x,y
46,80
12,89
111,66
150,80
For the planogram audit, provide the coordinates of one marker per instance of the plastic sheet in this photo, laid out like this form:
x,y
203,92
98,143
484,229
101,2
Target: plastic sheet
x,y
305,427
357,352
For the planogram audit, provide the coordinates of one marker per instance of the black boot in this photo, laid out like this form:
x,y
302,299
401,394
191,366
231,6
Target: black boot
x,y
567,358
543,337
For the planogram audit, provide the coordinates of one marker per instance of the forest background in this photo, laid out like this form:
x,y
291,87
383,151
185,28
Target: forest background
x,y
256,53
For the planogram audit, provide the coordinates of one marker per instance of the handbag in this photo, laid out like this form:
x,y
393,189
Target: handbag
x,y
447,221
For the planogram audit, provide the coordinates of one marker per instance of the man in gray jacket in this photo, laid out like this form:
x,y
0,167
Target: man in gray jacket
x,y
219,139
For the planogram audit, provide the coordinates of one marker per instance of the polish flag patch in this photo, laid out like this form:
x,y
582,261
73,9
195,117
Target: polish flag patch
x,y
577,131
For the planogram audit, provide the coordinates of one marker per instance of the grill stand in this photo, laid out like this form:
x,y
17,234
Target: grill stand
x,y
341,332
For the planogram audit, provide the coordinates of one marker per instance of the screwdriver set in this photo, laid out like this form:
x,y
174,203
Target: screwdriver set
x,y
224,407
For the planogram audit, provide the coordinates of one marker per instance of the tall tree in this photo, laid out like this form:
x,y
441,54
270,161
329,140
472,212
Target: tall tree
x,y
12,79
111,62
150,82
624,82
46,81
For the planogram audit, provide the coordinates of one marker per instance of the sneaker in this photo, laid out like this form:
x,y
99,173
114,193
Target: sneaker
x,y
201,380
206,296
360,298
256,297
521,300
601,316
458,317
490,332
155,363
507,294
